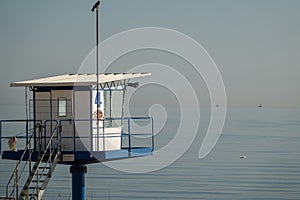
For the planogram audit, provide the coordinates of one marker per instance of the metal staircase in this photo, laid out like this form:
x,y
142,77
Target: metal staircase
x,y
41,172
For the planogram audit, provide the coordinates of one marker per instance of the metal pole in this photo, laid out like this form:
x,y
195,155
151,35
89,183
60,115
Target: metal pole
x,y
96,7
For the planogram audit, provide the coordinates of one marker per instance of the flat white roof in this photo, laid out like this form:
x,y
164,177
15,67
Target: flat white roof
x,y
78,79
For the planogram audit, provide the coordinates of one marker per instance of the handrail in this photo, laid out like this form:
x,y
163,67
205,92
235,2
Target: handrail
x,y
106,119
14,120
45,130
50,140
129,133
46,149
16,168
53,147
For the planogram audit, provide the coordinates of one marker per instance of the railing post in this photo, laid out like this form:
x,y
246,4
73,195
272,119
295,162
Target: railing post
x,y
121,136
129,136
7,186
103,136
74,131
40,132
1,137
45,135
57,131
30,152
16,183
152,133
26,131
50,145
74,137
59,148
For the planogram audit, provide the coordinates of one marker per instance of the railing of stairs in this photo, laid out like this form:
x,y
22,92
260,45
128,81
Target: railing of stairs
x,y
47,160
16,175
51,151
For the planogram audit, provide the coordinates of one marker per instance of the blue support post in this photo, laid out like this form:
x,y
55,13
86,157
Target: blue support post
x,y
78,181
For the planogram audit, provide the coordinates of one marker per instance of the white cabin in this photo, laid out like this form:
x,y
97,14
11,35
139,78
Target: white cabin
x,y
70,102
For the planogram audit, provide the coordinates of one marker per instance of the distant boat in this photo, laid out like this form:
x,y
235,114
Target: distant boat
x,y
260,105
243,157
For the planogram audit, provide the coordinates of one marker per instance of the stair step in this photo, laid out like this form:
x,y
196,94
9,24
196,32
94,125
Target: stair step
x,y
41,174
39,168
40,181
30,195
44,167
31,188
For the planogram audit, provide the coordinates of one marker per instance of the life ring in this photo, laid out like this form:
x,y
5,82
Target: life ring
x,y
100,115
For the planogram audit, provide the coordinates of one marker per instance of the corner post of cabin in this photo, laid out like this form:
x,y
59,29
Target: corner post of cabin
x,y
34,117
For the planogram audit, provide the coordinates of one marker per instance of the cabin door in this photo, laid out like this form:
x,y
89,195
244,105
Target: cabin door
x,y
43,117
62,113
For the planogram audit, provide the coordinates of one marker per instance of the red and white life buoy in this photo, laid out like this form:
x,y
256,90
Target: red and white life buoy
x,y
100,115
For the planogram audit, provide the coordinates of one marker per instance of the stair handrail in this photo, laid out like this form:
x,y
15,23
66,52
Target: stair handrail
x,y
16,168
50,140
55,131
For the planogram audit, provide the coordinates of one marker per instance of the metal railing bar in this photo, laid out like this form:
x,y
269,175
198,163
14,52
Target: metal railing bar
x,y
51,151
16,168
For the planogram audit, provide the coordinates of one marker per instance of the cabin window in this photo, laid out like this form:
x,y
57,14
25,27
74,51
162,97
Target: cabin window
x,y
62,107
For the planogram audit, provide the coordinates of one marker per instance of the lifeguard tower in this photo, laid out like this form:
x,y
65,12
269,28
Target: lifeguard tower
x,y
74,119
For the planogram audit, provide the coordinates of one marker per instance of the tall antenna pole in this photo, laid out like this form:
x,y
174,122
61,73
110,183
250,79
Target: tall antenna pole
x,y
78,170
96,7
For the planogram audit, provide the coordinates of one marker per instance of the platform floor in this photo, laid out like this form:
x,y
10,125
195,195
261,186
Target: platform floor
x,y
71,157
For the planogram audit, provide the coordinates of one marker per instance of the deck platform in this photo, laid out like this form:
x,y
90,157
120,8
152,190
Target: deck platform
x,y
70,157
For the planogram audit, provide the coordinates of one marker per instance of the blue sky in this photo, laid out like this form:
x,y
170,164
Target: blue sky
x,y
254,43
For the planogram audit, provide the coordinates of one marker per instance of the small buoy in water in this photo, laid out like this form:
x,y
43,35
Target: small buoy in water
x,y
243,157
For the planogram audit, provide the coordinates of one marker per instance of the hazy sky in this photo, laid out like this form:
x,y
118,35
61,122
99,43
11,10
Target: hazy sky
x,y
254,43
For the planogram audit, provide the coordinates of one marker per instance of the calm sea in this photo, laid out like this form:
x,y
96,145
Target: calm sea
x,y
270,138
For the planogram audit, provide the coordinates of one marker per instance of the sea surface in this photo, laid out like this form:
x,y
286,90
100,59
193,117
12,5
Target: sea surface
x,y
268,137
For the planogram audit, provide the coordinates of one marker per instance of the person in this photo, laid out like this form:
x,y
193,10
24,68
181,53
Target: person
x,y
12,143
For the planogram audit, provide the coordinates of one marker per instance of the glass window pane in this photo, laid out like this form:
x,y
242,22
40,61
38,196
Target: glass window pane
x,y
62,107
